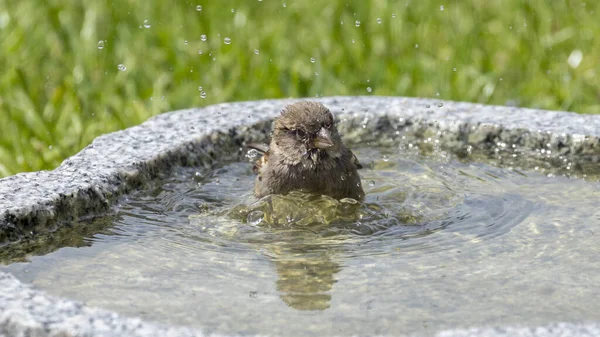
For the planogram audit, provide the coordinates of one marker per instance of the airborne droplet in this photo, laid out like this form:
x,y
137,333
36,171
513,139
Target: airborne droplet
x,y
575,58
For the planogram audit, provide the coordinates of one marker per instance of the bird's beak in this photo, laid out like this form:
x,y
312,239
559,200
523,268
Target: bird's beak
x,y
323,139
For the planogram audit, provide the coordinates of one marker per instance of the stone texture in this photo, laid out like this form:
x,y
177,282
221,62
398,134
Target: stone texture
x,y
116,163
25,312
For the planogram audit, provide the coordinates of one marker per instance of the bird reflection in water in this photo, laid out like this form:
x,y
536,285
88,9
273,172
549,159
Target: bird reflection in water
x,y
305,278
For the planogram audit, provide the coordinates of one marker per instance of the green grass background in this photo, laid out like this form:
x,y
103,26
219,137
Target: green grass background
x,y
59,90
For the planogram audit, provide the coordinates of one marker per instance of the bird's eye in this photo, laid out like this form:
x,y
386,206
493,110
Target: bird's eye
x,y
300,133
327,125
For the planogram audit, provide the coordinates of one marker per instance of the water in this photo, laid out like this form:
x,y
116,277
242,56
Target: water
x,y
442,241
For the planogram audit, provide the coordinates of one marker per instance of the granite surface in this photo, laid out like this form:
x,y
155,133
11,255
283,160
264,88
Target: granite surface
x,y
89,182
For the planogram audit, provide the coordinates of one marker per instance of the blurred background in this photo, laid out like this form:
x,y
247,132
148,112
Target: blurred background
x,y
72,70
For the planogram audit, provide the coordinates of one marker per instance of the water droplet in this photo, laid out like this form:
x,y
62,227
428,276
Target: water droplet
x,y
200,52
100,44
342,177
440,105
575,58
233,10
393,15
417,45
121,67
369,89
454,69
256,51
50,147
217,181
428,106
316,73
255,218
385,158
379,21
252,154
200,88
284,5
185,42
357,23
147,24
441,7
203,37
202,94
199,8
372,183
313,60
227,40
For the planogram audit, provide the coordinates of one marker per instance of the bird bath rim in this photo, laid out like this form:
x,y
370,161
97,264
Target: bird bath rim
x,y
117,163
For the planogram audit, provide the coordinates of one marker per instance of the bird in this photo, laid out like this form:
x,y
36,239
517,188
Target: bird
x,y
306,154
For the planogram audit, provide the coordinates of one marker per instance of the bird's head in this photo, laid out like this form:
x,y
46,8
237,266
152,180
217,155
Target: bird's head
x,y
306,129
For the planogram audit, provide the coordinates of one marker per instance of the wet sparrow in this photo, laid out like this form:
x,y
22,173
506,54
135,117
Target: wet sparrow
x,y
307,154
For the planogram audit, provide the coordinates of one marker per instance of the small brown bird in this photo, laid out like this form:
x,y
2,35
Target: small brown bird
x,y
307,154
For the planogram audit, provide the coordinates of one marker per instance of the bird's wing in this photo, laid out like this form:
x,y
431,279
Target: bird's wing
x,y
262,161
355,161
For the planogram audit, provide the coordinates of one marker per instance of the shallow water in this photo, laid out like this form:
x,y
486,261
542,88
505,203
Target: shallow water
x,y
453,243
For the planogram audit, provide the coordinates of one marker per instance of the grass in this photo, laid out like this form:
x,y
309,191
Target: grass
x,y
59,89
